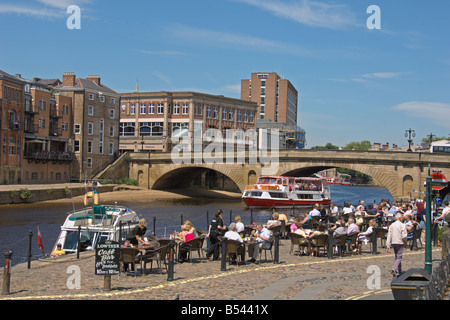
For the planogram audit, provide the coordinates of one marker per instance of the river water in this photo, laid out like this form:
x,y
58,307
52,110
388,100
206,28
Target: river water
x,y
16,221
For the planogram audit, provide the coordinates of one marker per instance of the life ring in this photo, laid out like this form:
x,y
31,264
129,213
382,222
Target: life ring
x,y
91,195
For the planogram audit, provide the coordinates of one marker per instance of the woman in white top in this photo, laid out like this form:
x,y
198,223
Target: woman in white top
x,y
239,225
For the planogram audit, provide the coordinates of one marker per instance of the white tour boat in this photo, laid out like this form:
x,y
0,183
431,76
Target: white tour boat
x,y
280,191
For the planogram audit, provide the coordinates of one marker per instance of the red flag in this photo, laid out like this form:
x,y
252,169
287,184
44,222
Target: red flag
x,y
39,241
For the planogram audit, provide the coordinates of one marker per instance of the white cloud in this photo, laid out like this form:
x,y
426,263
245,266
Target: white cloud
x,y
437,112
29,11
211,37
62,4
384,75
310,13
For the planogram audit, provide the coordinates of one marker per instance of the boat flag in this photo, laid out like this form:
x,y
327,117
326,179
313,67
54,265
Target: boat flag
x,y
39,241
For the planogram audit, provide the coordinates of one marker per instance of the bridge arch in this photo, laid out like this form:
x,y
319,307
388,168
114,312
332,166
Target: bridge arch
x,y
208,176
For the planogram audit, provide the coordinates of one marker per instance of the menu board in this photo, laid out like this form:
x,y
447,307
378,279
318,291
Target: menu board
x,y
107,258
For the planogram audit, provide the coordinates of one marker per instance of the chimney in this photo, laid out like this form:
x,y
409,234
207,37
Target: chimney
x,y
95,79
68,79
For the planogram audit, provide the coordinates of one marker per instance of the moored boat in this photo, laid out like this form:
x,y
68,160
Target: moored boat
x,y
96,223
281,191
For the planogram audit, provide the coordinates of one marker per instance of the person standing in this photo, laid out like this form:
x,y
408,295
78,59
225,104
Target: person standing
x,y
215,229
396,239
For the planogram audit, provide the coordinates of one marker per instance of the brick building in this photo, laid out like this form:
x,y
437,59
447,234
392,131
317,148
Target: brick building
x,y
276,97
11,106
148,120
95,123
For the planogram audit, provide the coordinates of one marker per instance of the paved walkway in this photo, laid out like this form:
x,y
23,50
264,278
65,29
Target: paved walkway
x,y
295,278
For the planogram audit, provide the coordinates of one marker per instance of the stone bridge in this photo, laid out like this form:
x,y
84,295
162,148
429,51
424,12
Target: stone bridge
x,y
399,172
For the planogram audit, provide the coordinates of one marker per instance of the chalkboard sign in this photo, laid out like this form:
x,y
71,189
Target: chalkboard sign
x,y
107,256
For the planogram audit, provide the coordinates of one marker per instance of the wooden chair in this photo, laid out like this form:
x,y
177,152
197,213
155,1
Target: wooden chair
x,y
297,240
417,236
158,256
195,244
267,246
248,231
319,241
352,243
340,241
382,235
130,256
235,249
314,223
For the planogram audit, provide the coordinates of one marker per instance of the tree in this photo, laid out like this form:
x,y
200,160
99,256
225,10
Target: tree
x,y
362,146
328,146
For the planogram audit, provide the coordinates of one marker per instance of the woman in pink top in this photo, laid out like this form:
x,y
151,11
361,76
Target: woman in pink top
x,y
186,234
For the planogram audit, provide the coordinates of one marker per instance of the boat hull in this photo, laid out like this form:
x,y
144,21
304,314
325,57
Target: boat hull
x,y
281,203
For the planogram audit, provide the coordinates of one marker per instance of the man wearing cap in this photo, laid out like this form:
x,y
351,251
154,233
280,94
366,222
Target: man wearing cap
x,y
58,252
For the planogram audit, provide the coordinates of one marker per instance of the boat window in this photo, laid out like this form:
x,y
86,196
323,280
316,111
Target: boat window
x,y
278,195
72,240
279,181
256,193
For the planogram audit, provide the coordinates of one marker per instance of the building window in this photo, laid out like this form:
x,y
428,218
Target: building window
x,y
77,128
185,108
112,113
245,116
251,117
42,105
126,129
41,123
176,108
91,110
90,128
216,113
152,129
111,148
224,114
112,101
160,108
133,109
91,96
142,109
239,115
111,130
151,108
208,112
230,114
102,98
76,146
89,162
177,126
89,146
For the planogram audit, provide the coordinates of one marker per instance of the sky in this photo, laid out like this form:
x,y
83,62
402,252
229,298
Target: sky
x,y
355,82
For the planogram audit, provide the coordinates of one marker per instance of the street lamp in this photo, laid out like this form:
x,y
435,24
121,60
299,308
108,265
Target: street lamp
x,y
408,134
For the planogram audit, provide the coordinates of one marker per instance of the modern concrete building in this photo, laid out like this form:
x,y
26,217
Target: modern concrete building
x,y
149,121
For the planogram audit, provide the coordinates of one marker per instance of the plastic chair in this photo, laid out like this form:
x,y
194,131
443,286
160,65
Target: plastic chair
x,y
130,256
235,249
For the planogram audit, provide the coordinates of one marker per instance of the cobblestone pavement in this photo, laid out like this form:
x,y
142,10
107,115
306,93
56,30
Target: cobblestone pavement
x,y
295,278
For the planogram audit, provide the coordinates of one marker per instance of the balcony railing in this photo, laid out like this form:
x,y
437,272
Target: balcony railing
x,y
55,132
31,128
45,156
14,125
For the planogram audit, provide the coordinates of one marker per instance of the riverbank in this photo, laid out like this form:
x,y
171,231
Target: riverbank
x,y
131,194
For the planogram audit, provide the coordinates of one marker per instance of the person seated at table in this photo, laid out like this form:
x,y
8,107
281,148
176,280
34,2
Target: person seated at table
x,y
305,222
281,217
136,236
262,236
189,226
239,225
186,234
365,236
315,211
274,222
231,234
339,230
58,252
409,223
312,236
359,219
348,209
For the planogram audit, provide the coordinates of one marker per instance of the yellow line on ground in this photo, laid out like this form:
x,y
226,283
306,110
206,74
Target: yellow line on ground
x,y
214,276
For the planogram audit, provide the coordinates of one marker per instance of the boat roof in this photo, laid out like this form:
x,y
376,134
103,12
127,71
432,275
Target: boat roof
x,y
303,178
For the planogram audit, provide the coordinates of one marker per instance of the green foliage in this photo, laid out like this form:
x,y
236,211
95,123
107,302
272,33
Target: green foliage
x,y
361,146
13,194
357,177
328,146
128,181
25,194
67,190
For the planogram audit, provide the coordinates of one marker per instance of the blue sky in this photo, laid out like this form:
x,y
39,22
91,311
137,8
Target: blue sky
x,y
354,83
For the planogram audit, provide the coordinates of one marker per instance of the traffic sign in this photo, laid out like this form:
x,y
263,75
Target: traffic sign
x,y
438,201
439,181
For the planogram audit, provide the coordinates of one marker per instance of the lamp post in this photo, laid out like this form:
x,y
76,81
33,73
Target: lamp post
x,y
408,134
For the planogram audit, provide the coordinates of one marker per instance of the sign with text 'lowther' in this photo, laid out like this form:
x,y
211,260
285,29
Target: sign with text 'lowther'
x,y
107,258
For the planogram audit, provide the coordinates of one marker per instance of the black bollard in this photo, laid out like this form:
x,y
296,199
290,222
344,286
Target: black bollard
x,y
181,219
435,234
231,216
223,259
7,273
78,242
251,215
30,236
414,239
374,240
330,243
120,232
171,261
154,226
276,254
